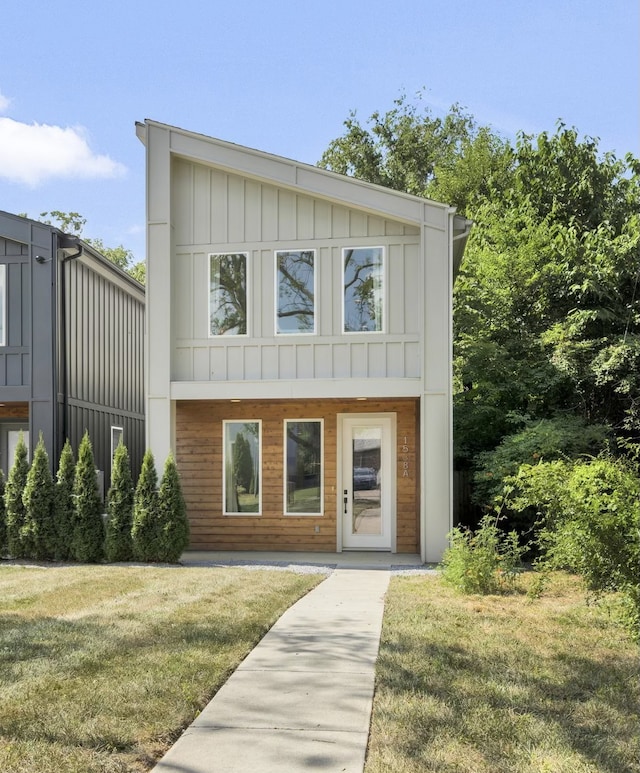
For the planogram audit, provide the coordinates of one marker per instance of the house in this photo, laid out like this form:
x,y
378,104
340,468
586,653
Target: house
x,y
71,347
299,350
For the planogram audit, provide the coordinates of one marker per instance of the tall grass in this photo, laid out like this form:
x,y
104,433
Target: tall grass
x,y
102,667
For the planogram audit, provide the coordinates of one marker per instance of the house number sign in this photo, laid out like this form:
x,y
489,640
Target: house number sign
x,y
404,457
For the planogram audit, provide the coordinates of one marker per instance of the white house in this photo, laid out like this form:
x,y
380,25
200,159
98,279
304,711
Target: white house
x,y
299,350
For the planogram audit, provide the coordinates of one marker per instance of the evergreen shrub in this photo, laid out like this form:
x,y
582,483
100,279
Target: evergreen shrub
x,y
145,531
14,506
88,526
174,526
63,507
38,530
118,542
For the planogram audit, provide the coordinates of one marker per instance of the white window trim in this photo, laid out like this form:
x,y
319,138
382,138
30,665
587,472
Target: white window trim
x,y
384,291
247,264
277,294
285,476
3,292
224,467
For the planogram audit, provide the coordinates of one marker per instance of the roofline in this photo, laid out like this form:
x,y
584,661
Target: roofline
x,y
300,175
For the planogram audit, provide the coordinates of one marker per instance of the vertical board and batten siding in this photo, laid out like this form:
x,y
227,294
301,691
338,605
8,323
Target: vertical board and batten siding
x,y
15,356
213,211
199,459
105,331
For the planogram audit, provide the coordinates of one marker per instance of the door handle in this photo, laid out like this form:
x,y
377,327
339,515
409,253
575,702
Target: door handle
x,y
346,502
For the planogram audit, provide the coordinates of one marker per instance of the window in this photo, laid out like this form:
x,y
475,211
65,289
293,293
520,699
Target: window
x,y
363,272
228,294
3,305
303,465
295,291
117,435
242,469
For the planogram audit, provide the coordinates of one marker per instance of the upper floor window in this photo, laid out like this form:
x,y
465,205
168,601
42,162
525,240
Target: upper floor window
x,y
3,305
363,283
295,291
228,294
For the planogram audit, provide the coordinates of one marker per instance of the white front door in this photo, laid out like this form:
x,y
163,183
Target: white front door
x,y
367,491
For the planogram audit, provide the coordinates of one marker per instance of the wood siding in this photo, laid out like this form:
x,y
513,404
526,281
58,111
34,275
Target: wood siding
x,y
199,458
214,211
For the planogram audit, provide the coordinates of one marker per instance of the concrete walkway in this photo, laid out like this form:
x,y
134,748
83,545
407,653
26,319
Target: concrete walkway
x,y
301,700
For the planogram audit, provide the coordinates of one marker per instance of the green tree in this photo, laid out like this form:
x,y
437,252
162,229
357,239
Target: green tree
x,y
38,530
145,531
88,526
243,463
64,514
3,518
174,526
118,543
14,506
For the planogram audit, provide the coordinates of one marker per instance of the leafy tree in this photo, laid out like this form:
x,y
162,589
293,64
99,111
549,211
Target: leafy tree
x,y
174,526
14,506
3,518
38,530
118,543
145,531
88,527
64,511
243,463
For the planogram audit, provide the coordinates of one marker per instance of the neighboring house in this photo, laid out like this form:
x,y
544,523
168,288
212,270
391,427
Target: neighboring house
x,y
71,347
299,350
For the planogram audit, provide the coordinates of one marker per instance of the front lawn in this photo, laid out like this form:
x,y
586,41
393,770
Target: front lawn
x,y
101,667
502,684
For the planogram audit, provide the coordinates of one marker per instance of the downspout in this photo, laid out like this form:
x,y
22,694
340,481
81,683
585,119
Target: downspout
x,y
66,241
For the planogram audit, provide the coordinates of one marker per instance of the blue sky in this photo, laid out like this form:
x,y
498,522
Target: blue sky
x,y
282,77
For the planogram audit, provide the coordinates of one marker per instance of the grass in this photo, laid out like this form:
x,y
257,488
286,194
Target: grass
x,y
101,667
502,684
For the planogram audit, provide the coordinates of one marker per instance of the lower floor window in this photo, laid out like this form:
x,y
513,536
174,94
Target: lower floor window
x,y
303,467
242,466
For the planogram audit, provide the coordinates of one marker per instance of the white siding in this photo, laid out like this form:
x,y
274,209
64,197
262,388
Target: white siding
x,y
213,211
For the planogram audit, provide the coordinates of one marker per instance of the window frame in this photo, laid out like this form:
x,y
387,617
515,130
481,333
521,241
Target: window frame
x,y
239,513
3,301
247,280
383,282
285,476
114,446
277,254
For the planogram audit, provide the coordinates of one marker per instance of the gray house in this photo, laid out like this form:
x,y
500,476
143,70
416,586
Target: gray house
x,y
71,346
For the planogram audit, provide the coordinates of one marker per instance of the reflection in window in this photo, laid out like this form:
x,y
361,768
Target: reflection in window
x,y
3,305
242,467
228,294
363,289
303,462
295,290
117,436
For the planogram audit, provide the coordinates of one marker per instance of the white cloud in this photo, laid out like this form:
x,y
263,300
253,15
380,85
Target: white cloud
x,y
35,153
4,102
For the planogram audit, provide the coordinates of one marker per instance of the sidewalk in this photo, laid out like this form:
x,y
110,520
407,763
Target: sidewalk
x,y
301,700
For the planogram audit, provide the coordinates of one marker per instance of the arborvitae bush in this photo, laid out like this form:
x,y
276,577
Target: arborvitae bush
x,y
63,504
119,544
13,500
174,526
145,531
38,531
3,518
88,527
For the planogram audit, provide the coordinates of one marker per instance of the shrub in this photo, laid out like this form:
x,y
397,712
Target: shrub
x,y
589,523
485,561
174,526
88,527
63,507
13,500
3,518
145,531
118,543
38,530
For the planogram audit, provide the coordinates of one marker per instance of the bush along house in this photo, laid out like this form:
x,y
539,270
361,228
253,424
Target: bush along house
x,y
299,350
71,347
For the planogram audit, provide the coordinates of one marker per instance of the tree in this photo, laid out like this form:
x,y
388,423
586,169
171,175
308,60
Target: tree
x,y
174,526
88,526
38,530
145,531
243,463
118,543
3,518
64,516
14,506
